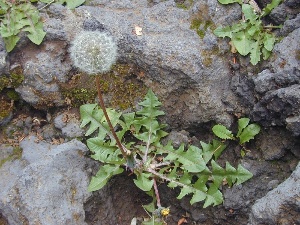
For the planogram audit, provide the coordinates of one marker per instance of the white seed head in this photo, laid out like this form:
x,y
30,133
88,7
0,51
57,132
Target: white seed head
x,y
93,52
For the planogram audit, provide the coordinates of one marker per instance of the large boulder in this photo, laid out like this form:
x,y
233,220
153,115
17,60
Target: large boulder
x,y
185,67
48,185
278,88
279,206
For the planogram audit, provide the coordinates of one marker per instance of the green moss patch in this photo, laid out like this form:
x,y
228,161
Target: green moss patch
x,y
120,86
201,21
13,80
16,154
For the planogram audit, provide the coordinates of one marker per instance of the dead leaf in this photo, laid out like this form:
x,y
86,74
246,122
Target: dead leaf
x,y
233,49
138,30
181,221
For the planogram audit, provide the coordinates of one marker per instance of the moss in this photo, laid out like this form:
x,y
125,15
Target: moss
x,y
187,4
79,96
123,87
202,21
201,26
297,55
120,85
14,80
208,56
6,107
17,77
12,94
181,6
16,154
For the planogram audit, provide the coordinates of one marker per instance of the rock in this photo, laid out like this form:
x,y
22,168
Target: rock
x,y
286,53
279,96
292,3
290,25
69,124
177,138
5,152
243,87
266,80
189,73
3,58
48,178
282,203
279,14
284,12
276,106
42,74
5,120
241,198
293,124
274,143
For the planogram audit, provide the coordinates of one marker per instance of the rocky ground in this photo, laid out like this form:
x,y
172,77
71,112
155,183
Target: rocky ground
x,y
45,166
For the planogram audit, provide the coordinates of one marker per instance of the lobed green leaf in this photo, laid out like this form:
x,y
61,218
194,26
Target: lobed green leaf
x,y
214,196
269,41
144,182
225,2
249,133
92,115
266,11
191,159
223,32
214,149
71,4
222,132
103,151
266,53
255,53
36,33
237,176
10,42
103,175
242,123
242,42
249,13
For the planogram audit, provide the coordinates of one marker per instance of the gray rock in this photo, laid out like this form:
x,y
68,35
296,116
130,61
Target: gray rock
x,y
292,3
177,138
243,87
277,105
3,55
69,125
278,102
286,53
91,24
42,74
286,11
188,73
6,120
5,151
290,25
279,14
282,203
274,143
293,124
48,186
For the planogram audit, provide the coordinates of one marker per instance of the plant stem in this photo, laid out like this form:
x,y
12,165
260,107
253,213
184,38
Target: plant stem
x,y
156,193
273,27
46,5
101,102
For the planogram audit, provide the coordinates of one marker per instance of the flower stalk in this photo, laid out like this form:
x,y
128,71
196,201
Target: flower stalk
x,y
101,103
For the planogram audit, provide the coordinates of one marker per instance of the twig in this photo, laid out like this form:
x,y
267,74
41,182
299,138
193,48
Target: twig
x,y
156,193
